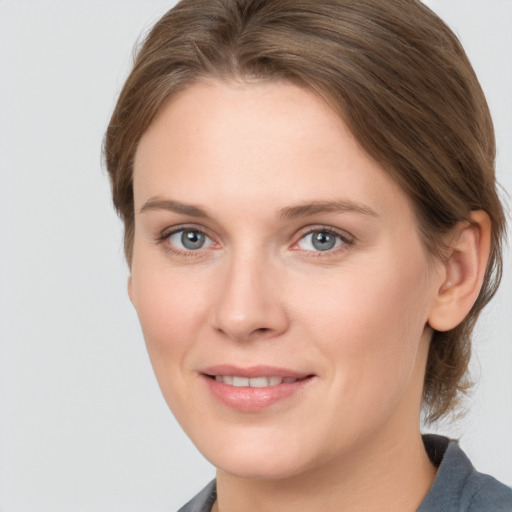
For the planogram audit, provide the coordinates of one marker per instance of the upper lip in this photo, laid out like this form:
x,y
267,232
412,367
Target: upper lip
x,y
253,371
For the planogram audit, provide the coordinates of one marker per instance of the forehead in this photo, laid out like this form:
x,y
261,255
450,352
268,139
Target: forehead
x,y
261,114
252,141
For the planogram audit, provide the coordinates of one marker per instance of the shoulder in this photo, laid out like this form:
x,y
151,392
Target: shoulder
x,y
203,501
485,493
458,486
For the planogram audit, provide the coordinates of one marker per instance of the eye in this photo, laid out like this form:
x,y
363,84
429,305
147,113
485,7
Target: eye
x,y
321,240
189,240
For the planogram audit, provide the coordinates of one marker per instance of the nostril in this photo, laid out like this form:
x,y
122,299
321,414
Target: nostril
x,y
261,332
245,320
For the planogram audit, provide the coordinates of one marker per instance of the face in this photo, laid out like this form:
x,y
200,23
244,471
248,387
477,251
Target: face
x,y
280,281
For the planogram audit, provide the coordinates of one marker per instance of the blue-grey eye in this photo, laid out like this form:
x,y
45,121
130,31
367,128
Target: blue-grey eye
x,y
189,240
320,241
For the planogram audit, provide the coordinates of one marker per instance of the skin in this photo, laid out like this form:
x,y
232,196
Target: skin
x,y
258,292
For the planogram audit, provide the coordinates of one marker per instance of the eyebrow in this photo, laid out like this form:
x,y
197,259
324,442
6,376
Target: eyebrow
x,y
317,207
289,212
156,203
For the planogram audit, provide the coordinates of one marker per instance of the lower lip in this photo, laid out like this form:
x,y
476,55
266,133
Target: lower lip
x,y
254,399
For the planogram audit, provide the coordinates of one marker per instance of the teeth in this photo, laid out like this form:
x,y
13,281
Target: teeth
x,y
258,382
255,382
240,382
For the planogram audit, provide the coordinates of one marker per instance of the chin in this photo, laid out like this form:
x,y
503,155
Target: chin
x,y
255,468
258,457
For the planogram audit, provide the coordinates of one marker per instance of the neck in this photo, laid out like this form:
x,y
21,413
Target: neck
x,y
393,476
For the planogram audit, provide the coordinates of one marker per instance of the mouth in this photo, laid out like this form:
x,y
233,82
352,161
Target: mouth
x,y
256,388
253,382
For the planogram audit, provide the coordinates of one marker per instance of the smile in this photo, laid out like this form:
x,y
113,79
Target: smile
x,y
254,382
255,388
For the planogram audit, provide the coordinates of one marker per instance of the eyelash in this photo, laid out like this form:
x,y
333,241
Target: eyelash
x,y
163,240
345,239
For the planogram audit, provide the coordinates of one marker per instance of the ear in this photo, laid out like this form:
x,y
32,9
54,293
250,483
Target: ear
x,y
130,289
463,272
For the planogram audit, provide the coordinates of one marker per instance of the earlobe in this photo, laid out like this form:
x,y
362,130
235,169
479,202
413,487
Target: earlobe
x,y
464,271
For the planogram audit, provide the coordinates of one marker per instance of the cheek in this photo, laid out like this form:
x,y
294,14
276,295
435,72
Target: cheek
x,y
369,324
364,306
171,314
171,310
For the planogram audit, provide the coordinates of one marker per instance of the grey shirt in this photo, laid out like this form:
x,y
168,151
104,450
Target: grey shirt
x,y
458,487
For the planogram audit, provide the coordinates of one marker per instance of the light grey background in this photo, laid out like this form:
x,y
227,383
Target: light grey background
x,y
82,424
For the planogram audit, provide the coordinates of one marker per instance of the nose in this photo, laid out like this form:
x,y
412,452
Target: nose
x,y
250,302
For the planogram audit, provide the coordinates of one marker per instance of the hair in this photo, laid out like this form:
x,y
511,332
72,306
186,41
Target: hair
x,y
395,73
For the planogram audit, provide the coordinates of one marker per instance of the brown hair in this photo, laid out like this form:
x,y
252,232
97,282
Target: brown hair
x,y
398,77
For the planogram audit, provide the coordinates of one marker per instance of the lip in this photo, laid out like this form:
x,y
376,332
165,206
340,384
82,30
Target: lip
x,y
252,399
253,371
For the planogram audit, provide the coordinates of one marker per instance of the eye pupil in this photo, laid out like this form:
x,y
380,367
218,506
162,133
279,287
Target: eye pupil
x,y
192,239
323,241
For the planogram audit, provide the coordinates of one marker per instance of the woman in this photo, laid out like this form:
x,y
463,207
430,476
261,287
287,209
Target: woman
x,y
312,228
